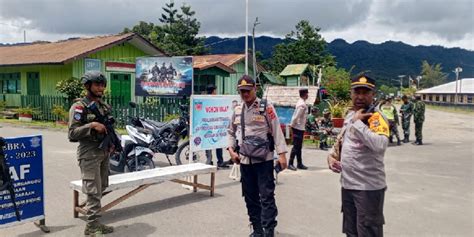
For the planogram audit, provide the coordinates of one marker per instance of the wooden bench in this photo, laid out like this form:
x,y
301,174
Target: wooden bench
x,y
145,178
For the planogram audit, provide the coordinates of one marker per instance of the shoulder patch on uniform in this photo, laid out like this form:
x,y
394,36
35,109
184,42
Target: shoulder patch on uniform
x,y
377,124
271,112
78,109
77,116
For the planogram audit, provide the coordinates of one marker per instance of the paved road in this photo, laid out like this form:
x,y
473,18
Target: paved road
x,y
430,193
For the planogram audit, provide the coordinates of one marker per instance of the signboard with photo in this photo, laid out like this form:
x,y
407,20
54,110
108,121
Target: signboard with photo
x,y
164,76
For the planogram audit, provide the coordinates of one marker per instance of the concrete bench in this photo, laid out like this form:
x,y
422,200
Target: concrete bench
x,y
143,179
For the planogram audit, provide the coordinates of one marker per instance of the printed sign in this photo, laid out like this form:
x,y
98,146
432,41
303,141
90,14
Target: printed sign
x,y
210,119
92,64
24,156
164,76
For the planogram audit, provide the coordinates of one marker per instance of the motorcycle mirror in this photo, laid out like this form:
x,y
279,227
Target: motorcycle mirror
x,y
132,104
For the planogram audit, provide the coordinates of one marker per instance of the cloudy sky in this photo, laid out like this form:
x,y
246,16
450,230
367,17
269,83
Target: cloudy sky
x,y
416,22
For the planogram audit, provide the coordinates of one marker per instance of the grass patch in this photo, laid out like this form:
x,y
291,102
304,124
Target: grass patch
x,y
452,109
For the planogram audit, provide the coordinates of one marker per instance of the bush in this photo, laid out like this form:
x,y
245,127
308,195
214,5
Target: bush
x,y
337,82
71,87
3,105
28,110
338,109
59,111
170,117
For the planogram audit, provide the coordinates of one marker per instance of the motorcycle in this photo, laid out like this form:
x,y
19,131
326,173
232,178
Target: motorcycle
x,y
149,137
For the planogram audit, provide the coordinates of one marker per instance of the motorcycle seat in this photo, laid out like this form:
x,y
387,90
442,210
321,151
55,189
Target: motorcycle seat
x,y
156,124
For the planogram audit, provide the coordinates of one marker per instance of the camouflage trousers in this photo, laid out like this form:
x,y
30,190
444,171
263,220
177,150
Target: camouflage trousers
x,y
95,179
393,129
418,130
406,126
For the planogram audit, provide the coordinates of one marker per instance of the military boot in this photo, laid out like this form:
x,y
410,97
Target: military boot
x,y
269,232
420,142
415,142
96,227
257,231
398,142
405,139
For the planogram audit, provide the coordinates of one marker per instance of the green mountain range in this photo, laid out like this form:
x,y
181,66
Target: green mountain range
x,y
385,61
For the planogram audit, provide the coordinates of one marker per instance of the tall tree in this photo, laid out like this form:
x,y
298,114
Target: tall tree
x,y
432,75
170,12
305,45
177,35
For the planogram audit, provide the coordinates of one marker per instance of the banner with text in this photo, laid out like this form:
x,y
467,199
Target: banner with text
x,y
24,156
210,118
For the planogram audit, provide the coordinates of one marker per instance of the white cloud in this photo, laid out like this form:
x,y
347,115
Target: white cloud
x,y
425,22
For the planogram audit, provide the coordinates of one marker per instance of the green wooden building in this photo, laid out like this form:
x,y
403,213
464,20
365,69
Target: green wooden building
x,y
35,69
297,75
222,70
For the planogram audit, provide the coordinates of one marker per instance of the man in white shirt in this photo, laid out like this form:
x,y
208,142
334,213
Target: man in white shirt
x,y
298,127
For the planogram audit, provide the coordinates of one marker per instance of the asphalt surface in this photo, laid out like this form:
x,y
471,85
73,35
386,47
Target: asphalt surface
x,y
430,192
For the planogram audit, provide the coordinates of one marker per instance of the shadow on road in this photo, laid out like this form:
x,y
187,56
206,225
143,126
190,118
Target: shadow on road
x,y
135,229
53,229
154,207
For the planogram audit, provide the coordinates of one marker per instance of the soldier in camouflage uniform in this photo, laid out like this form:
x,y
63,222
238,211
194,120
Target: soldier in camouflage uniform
x,y
406,110
418,118
93,161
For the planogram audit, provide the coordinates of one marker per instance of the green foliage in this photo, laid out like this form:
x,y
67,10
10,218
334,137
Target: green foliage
x,y
338,108
337,82
305,45
385,90
28,110
177,35
170,117
3,105
59,111
432,75
71,87
409,91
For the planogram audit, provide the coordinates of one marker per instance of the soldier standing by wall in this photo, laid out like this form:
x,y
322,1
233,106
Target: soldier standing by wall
x,y
256,121
406,111
418,118
93,161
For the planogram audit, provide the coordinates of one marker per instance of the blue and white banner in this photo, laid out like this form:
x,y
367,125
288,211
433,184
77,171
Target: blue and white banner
x,y
24,156
210,118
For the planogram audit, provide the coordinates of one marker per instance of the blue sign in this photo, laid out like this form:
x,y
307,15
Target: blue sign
x,y
210,119
24,156
284,114
92,64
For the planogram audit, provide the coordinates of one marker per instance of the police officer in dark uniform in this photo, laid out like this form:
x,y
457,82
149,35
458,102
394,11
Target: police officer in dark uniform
x,y
256,119
93,161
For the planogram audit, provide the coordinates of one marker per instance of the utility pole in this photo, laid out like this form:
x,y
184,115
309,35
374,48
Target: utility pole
x,y
24,36
457,71
401,82
418,78
246,37
253,50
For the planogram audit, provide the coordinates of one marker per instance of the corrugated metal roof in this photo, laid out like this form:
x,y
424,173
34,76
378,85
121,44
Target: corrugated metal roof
x,y
288,95
294,69
272,79
66,50
450,88
227,59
